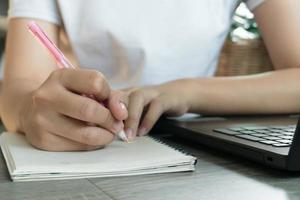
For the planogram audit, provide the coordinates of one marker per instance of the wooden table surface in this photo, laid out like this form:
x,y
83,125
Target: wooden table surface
x,y
218,176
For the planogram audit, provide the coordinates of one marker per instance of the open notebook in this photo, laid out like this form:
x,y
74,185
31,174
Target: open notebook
x,y
143,156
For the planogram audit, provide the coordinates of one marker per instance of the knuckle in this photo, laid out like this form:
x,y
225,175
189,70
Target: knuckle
x,y
137,94
86,110
39,97
97,82
137,98
132,120
59,77
57,74
37,121
157,104
86,137
108,120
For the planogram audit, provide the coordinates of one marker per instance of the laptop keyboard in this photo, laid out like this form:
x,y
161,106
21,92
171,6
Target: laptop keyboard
x,y
277,136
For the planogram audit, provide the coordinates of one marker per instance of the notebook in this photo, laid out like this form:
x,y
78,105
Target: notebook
x,y
143,156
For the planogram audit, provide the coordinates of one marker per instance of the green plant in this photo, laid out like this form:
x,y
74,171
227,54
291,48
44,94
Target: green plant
x,y
244,25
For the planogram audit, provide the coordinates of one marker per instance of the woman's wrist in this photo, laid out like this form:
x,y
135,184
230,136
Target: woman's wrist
x,y
187,92
194,95
193,92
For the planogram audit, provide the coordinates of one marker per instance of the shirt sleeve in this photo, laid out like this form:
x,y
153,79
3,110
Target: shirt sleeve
x,y
37,9
252,4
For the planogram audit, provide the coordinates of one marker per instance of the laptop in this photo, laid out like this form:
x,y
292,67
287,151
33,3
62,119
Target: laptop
x,y
271,140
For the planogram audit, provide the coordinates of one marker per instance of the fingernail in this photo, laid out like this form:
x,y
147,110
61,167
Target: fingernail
x,y
123,107
142,131
118,126
129,133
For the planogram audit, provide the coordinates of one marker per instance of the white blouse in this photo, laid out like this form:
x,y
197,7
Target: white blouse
x,y
140,42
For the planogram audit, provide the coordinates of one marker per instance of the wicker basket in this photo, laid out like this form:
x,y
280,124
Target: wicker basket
x,y
243,57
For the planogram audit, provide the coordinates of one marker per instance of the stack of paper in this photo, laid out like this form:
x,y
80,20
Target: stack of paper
x,y
143,156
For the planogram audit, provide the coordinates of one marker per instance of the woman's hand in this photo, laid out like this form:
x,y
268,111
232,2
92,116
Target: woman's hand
x,y
147,104
57,117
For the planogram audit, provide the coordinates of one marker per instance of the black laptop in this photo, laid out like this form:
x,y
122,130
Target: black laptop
x,y
271,140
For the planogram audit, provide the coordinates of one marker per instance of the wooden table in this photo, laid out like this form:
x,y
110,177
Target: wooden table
x,y
218,176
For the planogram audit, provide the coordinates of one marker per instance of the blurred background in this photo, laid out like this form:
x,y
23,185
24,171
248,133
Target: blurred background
x,y
243,52
3,25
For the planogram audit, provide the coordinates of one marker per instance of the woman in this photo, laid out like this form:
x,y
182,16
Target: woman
x,y
163,52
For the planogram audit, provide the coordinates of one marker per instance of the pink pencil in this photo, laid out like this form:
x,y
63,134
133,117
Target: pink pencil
x,y
54,51
59,57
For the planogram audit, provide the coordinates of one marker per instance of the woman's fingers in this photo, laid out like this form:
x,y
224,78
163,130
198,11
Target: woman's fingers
x,y
60,112
117,104
155,110
82,108
138,99
135,109
78,131
63,90
82,81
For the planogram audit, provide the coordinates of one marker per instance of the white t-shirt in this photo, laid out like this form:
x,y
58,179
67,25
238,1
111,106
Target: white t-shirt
x,y
140,42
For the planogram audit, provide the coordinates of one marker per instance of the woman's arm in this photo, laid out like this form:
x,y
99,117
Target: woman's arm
x,y
26,67
45,103
279,22
272,92
266,93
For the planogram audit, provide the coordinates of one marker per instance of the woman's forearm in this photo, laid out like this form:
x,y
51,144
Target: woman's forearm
x,y
266,93
27,66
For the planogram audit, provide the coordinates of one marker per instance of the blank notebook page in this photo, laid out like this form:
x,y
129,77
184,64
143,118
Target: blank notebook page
x,y
117,158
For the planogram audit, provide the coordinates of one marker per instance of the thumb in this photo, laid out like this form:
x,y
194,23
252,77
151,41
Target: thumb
x,y
117,104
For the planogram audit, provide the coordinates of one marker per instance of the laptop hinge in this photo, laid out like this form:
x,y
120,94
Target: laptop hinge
x,y
293,161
